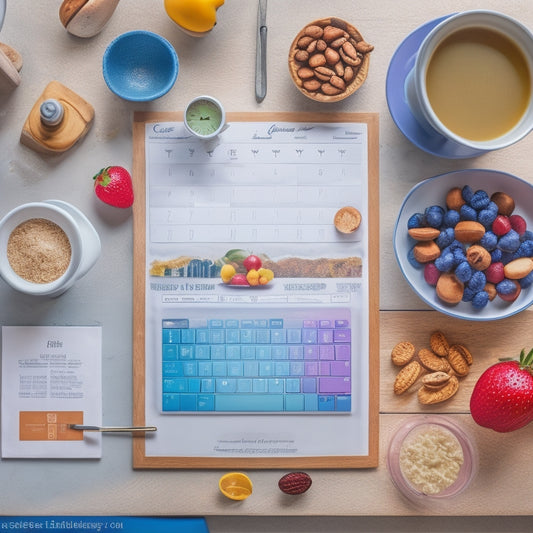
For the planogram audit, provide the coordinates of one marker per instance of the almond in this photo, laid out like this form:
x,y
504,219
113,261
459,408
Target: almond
x,y
458,361
424,234
305,73
454,199
518,268
426,251
429,397
317,60
449,288
314,31
439,344
468,231
331,33
433,362
402,353
332,57
435,380
406,377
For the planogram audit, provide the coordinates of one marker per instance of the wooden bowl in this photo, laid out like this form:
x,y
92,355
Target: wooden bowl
x,y
329,60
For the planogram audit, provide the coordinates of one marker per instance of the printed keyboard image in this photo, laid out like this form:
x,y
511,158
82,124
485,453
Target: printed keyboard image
x,y
263,365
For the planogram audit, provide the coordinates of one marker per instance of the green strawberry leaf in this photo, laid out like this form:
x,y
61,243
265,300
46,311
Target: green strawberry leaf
x,y
526,361
103,178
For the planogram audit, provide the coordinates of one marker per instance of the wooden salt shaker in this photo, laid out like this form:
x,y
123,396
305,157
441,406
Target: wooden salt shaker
x,y
57,121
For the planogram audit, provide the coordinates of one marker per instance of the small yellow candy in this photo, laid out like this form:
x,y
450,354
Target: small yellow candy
x,y
235,485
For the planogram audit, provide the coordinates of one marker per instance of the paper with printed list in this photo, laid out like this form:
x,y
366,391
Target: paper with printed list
x,y
51,378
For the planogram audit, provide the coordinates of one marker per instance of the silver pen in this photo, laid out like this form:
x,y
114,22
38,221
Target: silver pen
x,y
112,429
260,55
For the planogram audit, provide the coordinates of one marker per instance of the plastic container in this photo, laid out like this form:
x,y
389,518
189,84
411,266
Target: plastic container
x,y
407,442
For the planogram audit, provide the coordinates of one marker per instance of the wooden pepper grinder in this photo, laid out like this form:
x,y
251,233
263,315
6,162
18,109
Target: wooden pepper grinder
x,y
57,121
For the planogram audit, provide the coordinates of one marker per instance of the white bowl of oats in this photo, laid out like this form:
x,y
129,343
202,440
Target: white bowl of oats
x,y
45,247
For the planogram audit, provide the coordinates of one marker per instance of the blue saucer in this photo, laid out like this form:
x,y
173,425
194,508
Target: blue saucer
x,y
401,64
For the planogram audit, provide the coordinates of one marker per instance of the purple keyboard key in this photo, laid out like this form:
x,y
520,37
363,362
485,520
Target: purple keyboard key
x,y
334,385
342,352
340,368
342,335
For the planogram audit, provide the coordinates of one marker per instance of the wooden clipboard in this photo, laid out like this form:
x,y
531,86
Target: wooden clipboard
x,y
140,459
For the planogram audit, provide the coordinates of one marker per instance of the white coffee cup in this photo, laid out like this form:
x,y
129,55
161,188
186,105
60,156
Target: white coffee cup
x,y
416,92
84,245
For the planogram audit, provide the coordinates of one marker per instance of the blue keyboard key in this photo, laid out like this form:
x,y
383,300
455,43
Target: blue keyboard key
x,y
249,402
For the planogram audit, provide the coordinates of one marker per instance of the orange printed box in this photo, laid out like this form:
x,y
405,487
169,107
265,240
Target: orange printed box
x,y
49,425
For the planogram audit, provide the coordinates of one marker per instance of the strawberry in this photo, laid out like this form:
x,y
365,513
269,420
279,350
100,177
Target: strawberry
x,y
502,398
114,187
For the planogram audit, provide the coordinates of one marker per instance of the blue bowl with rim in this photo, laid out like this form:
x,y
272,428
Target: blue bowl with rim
x,y
140,66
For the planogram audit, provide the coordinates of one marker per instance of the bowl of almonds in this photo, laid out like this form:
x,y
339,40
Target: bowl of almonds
x,y
329,60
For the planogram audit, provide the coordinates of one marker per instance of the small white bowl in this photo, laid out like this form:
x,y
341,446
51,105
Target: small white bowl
x,y
433,192
84,243
405,436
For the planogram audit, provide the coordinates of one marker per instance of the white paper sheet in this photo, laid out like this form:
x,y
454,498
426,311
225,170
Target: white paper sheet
x,y
51,377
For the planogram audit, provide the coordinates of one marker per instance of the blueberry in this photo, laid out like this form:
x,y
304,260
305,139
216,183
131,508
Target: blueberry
x,y
487,217
506,257
479,200
525,249
446,238
468,213
464,271
480,299
459,255
489,241
527,281
434,216
477,281
496,255
509,242
505,287
467,193
468,294
411,258
527,236
445,262
416,221
451,218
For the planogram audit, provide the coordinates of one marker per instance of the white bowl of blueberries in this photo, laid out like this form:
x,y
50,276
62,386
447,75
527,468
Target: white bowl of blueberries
x,y
464,242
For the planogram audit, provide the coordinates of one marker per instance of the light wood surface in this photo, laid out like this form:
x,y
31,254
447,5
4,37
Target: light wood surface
x,y
222,64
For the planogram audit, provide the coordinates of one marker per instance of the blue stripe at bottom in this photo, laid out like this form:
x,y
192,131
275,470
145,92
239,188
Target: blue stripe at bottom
x,y
98,524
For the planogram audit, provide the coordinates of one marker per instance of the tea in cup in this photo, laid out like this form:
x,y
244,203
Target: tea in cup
x,y
472,81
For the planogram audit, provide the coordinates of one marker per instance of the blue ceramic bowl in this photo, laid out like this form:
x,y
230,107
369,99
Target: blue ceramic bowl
x,y
140,66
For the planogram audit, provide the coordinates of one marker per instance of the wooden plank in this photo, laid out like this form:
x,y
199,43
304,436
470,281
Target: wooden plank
x,y
500,338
